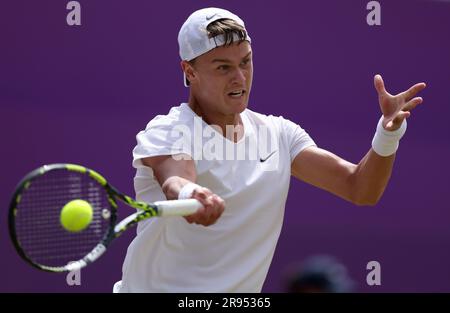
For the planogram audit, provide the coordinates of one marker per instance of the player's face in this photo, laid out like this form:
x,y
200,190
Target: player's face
x,y
223,78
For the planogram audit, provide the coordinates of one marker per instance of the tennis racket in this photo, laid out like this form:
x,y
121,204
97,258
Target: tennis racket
x,y
34,216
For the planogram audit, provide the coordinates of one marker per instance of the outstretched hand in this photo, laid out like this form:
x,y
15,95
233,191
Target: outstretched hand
x,y
396,108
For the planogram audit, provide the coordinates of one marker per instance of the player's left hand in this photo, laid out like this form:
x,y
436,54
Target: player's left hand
x,y
396,108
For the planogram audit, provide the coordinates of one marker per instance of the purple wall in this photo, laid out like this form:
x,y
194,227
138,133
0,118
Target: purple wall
x,y
80,95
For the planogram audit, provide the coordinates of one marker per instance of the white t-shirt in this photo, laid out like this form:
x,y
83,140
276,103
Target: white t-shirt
x,y
234,254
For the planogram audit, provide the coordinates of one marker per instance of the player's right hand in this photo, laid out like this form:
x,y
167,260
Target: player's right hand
x,y
213,207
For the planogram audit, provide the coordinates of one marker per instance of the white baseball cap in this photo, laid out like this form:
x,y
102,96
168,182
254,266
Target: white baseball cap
x,y
193,37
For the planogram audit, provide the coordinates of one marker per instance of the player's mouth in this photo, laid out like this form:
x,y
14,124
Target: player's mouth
x,y
237,94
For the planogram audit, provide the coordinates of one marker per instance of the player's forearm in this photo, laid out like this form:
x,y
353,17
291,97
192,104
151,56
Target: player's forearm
x,y
371,177
172,173
372,174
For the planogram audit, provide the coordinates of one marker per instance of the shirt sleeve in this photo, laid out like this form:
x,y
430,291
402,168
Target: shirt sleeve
x,y
297,138
161,137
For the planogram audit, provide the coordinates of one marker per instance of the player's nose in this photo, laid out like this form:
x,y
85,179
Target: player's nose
x,y
239,77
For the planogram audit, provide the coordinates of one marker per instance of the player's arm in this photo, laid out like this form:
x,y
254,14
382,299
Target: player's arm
x,y
364,183
174,174
361,184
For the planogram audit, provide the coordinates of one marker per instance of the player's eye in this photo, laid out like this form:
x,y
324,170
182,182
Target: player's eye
x,y
245,62
223,67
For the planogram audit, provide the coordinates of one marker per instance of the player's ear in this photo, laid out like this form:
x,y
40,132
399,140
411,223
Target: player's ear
x,y
189,70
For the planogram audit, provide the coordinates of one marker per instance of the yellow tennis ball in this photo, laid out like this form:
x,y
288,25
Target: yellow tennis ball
x,y
76,215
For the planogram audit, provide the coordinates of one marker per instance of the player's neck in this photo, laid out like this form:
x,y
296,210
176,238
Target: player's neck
x,y
219,119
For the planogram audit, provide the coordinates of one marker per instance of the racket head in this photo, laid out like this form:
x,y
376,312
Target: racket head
x,y
34,217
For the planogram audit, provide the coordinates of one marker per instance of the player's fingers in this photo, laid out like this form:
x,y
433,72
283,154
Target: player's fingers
x,y
200,193
209,211
215,215
203,214
402,115
197,218
219,207
397,121
220,204
411,92
379,84
193,218
213,211
203,196
411,104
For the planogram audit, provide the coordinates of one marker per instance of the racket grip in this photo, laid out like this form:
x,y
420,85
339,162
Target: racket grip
x,y
178,207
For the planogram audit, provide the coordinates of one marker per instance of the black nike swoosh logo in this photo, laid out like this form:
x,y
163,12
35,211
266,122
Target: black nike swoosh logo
x,y
265,159
210,17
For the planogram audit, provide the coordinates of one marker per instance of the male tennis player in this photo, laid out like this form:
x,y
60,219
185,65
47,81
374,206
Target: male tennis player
x,y
227,246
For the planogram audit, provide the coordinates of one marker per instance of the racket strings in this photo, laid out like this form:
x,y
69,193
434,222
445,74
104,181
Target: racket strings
x,y
37,223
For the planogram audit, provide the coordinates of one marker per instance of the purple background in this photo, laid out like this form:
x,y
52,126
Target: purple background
x,y
81,94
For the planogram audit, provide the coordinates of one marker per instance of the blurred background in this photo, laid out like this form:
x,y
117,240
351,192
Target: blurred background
x,y
80,94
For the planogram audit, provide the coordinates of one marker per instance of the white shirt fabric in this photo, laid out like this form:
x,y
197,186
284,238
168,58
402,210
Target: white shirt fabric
x,y
234,254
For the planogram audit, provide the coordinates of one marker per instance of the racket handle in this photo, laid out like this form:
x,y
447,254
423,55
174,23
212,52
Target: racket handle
x,y
178,207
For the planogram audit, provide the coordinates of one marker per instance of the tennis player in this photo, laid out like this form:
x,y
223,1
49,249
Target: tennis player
x,y
241,179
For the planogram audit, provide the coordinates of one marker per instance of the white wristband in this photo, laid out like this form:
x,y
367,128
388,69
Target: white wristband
x,y
385,142
187,191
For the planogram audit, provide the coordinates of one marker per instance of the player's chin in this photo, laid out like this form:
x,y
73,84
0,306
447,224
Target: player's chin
x,y
237,105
